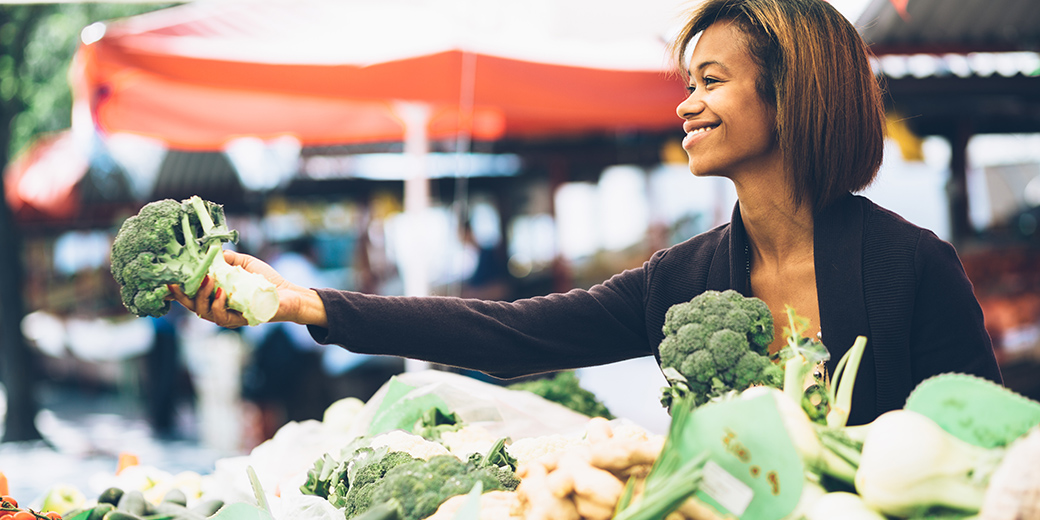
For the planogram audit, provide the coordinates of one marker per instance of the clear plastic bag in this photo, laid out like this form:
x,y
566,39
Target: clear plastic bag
x,y
501,411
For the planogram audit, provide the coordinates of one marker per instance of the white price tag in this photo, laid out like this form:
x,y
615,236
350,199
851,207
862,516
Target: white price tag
x,y
726,489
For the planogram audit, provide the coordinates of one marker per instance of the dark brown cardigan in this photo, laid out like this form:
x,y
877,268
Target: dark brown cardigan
x,y
877,275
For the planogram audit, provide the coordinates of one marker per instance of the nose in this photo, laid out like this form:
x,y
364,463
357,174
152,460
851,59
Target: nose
x,y
690,106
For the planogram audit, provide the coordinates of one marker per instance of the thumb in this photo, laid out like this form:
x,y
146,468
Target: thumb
x,y
234,258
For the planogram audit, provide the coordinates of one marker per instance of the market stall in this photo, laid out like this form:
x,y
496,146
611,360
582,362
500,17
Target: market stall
x,y
961,448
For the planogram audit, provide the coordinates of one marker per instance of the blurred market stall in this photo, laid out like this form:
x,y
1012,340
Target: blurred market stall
x,y
970,75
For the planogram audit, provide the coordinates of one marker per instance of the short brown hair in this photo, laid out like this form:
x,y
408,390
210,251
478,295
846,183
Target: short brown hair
x,y
815,69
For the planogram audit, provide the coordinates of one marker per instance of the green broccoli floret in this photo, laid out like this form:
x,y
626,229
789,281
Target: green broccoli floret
x,y
353,487
171,242
422,486
499,463
715,343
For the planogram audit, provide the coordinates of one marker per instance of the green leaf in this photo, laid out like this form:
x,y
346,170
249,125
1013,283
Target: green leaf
x,y
974,410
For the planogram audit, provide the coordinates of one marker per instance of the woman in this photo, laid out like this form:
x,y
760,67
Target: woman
x,y
782,101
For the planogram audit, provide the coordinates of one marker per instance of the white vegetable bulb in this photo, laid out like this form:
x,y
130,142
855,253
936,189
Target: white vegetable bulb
x,y
910,464
841,505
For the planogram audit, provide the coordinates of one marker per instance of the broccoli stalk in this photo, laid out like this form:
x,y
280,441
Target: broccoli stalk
x,y
171,242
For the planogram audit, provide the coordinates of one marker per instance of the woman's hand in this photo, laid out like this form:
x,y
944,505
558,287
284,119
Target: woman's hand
x,y
296,304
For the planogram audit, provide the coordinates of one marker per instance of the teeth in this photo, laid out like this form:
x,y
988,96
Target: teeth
x,y
700,130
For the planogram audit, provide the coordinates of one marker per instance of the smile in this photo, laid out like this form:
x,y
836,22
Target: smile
x,y
696,133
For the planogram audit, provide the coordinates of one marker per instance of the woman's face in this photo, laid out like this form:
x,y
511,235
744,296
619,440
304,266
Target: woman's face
x,y
730,130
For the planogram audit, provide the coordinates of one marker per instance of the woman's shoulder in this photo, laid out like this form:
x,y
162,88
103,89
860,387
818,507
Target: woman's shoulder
x,y
701,246
884,225
885,231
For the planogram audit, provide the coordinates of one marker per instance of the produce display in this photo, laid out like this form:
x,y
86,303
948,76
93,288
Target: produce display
x,y
9,510
772,446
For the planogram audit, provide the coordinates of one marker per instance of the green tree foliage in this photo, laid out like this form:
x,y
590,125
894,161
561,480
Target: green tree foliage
x,y
37,43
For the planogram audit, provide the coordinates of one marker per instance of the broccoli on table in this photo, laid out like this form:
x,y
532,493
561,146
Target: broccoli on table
x,y
171,242
415,487
715,343
355,494
422,486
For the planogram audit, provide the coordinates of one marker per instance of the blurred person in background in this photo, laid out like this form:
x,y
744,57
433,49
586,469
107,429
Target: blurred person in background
x,y
781,101
489,279
283,378
166,378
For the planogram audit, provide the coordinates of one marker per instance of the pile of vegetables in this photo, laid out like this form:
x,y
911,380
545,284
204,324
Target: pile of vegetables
x,y
408,484
9,510
769,430
585,481
181,242
117,504
565,389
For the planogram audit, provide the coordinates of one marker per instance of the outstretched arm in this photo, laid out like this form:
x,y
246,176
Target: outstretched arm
x,y
295,303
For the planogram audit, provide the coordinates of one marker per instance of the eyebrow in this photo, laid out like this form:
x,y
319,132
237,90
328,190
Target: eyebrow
x,y
705,64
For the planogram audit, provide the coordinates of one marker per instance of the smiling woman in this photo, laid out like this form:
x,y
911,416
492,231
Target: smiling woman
x,y
782,102
810,65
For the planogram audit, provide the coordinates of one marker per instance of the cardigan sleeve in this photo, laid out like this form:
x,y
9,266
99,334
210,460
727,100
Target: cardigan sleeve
x,y
560,331
948,332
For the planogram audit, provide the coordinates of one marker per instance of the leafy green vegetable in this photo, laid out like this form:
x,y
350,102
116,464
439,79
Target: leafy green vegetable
x,y
800,357
716,343
565,389
422,486
171,242
394,482
434,422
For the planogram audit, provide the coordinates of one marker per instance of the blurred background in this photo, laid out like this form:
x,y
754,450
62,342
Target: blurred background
x,y
448,147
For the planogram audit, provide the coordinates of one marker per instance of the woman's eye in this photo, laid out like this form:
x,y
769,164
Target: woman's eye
x,y
709,81
690,90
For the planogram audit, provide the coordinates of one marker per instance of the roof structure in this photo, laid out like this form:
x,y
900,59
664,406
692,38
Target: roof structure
x,y
958,69
943,27
946,67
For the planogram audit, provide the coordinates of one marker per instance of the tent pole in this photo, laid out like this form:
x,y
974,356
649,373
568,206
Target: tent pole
x,y
416,117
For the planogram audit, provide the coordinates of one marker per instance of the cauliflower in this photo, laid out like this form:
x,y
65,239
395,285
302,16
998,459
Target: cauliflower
x,y
414,445
472,438
532,448
715,343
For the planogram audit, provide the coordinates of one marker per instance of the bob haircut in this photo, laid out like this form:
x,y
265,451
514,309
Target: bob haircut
x,y
815,69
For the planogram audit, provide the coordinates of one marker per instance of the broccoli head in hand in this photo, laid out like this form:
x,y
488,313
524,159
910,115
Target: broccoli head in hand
x,y
171,242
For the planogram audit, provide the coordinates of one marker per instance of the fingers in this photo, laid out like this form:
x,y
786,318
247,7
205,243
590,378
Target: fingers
x,y
178,295
208,304
203,305
220,314
233,258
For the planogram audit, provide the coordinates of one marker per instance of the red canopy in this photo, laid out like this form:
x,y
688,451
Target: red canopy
x,y
200,74
40,182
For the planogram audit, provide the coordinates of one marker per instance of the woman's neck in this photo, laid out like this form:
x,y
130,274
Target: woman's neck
x,y
778,230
